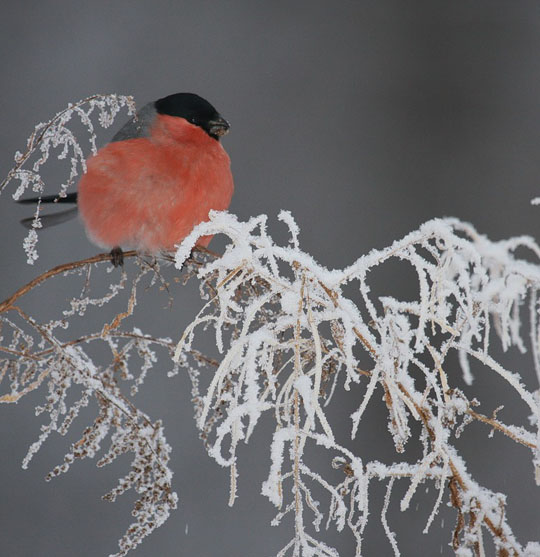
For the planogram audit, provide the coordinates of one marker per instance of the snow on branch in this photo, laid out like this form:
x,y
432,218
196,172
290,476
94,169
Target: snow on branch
x,y
293,339
56,134
40,353
290,338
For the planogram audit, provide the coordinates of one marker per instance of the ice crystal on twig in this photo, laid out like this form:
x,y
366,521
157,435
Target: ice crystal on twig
x,y
56,136
292,341
38,354
286,332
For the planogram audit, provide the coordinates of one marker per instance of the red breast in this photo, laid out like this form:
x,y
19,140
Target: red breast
x,y
148,193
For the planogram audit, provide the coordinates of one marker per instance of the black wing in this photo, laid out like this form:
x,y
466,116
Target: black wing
x,y
70,198
51,220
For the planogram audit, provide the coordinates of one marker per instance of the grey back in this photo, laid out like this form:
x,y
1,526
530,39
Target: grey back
x,y
139,125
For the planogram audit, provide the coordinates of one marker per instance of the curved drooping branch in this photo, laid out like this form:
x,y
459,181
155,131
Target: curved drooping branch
x,y
36,353
7,304
290,339
296,336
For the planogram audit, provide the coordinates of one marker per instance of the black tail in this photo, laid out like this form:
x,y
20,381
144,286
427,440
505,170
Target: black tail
x,y
51,220
70,198
55,218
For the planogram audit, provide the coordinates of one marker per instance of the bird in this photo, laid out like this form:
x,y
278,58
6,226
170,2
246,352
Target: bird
x,y
159,176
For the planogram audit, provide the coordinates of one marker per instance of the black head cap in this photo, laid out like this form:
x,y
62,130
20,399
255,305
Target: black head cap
x,y
195,110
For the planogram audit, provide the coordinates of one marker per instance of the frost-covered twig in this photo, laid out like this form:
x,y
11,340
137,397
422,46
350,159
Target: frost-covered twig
x,y
58,270
288,334
36,354
290,340
294,338
57,135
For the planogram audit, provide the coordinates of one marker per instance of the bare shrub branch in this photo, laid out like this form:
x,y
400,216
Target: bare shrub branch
x,y
288,335
294,339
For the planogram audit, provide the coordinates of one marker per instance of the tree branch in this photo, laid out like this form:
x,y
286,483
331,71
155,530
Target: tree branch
x,y
7,304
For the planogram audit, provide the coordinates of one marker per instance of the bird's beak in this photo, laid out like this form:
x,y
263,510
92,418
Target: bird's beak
x,y
219,126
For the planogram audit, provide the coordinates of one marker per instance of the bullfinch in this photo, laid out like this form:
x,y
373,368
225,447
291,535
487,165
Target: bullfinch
x,y
159,176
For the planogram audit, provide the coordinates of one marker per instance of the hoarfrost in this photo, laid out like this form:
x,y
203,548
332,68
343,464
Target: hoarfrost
x,y
292,340
55,135
279,301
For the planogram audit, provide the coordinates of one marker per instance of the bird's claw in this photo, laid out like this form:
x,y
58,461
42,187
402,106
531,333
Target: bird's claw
x,y
117,256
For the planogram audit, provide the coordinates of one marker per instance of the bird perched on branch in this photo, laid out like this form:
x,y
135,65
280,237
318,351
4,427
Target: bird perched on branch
x,y
159,176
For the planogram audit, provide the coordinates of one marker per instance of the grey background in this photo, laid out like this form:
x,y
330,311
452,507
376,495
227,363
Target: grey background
x,y
364,119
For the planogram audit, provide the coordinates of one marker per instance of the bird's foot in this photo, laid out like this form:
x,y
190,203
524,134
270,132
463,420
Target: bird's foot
x,y
117,256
